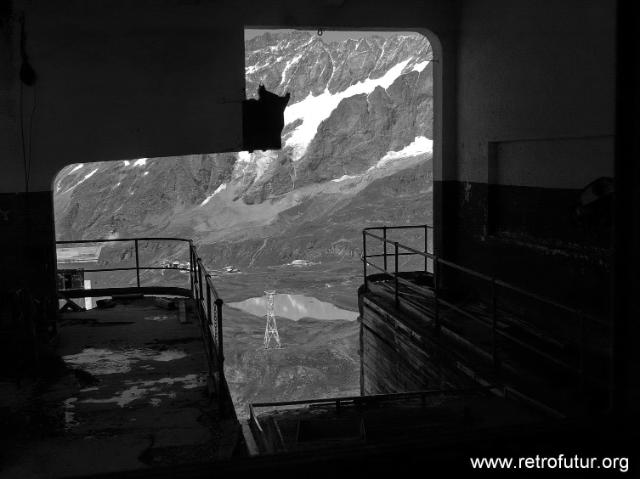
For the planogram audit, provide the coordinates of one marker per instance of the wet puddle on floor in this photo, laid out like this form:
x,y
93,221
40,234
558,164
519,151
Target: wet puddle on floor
x,y
295,306
156,390
103,361
98,361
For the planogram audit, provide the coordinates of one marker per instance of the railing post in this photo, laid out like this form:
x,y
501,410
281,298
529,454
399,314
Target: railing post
x,y
384,246
208,299
436,304
219,303
395,245
494,324
364,259
191,267
200,292
426,246
220,346
196,280
137,263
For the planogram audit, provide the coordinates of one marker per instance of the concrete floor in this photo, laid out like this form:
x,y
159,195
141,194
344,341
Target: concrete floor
x,y
131,394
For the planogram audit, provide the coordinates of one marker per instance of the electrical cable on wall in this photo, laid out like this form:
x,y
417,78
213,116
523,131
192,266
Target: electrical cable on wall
x,y
27,77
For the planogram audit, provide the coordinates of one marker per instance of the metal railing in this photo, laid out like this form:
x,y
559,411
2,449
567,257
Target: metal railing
x,y
494,324
81,293
270,437
209,305
371,399
207,301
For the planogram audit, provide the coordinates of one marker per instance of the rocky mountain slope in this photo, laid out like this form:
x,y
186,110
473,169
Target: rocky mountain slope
x,y
318,359
359,121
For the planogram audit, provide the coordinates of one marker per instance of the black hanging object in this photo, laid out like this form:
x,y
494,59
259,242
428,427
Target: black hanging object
x,y
263,120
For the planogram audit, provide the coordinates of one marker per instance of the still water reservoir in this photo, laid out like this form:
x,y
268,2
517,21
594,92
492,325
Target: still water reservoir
x,y
295,306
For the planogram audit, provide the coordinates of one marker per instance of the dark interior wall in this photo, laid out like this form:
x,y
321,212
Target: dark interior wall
x,y
626,301
535,125
126,81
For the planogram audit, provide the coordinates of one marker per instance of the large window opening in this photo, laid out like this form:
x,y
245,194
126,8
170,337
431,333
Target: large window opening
x,y
357,149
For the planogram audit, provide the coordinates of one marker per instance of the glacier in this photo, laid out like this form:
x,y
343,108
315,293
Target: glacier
x,y
315,109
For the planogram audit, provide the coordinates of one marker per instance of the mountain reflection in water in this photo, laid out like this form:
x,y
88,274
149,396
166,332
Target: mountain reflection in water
x,y
295,306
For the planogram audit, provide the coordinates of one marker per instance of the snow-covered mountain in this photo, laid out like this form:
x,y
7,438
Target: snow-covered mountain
x,y
356,151
320,76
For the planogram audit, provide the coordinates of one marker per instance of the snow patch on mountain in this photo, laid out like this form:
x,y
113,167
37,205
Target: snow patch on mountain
x,y
244,156
418,67
220,188
419,146
314,109
288,66
262,161
243,163
251,69
63,174
343,178
256,162
85,178
89,175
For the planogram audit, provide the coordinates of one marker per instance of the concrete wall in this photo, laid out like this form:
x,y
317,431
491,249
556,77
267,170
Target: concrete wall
x,y
535,70
535,125
396,356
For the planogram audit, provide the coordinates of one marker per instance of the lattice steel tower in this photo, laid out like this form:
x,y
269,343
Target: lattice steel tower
x,y
271,331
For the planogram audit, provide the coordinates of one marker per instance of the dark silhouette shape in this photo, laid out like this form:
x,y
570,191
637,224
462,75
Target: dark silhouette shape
x,y
263,120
